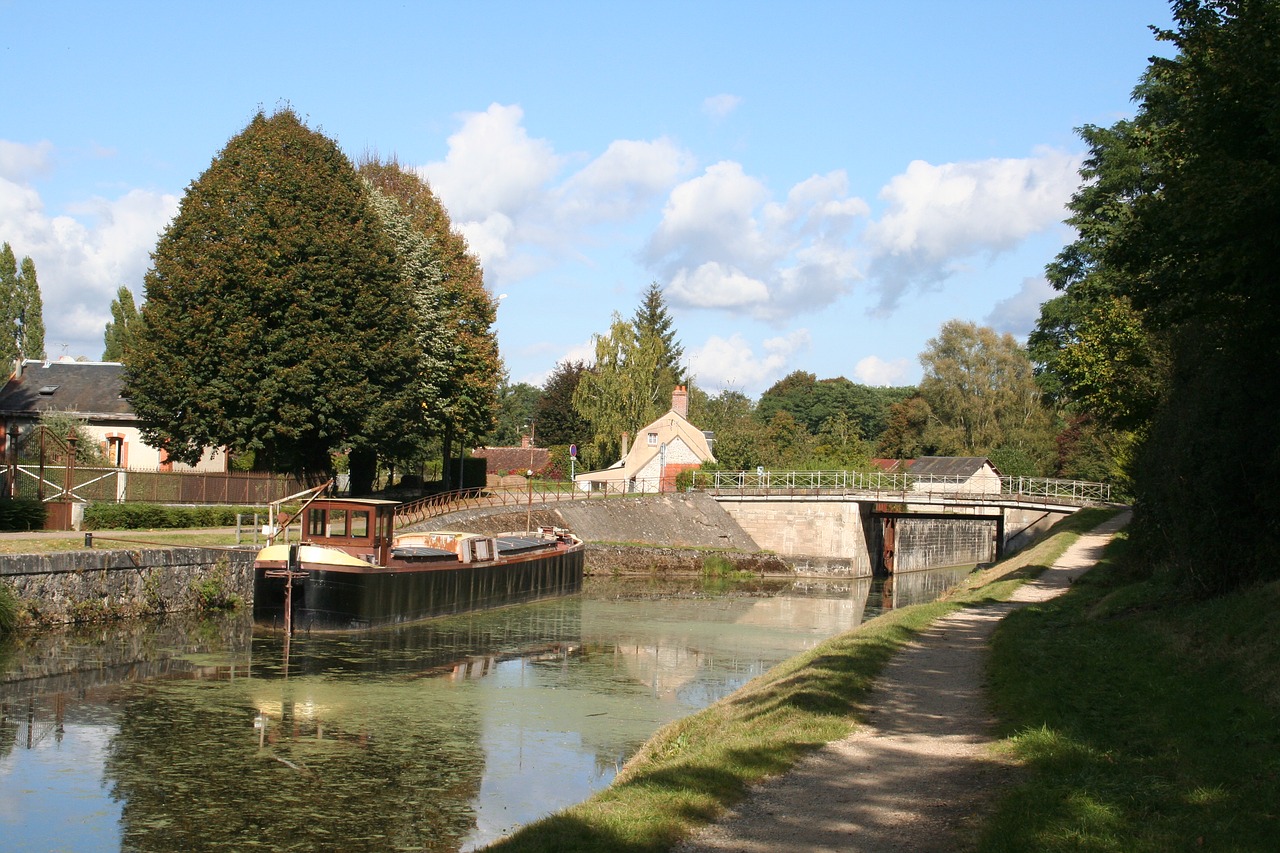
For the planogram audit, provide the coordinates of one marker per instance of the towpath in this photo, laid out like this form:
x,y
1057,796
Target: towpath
x,y
921,767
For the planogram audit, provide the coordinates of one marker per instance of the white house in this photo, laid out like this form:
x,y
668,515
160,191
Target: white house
x,y
662,449
91,391
969,475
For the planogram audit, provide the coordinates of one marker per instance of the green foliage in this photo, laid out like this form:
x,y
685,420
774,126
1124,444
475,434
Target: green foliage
x,y
57,427
463,332
213,592
1173,305
125,319
653,320
559,422
143,516
982,395
517,409
275,318
21,514
21,309
8,609
814,402
907,431
30,313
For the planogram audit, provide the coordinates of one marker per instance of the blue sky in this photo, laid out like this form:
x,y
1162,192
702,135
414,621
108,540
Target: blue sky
x,y
816,185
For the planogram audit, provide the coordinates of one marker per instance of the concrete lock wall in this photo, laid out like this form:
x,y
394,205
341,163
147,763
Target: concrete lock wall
x,y
815,537
931,543
92,585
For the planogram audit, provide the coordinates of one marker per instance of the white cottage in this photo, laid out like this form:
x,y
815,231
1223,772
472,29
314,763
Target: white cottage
x,y
662,449
968,475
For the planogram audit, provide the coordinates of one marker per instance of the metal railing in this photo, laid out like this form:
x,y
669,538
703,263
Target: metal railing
x,y
887,486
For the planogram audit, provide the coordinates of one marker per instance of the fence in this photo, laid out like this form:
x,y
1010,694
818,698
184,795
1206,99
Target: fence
x,y
180,487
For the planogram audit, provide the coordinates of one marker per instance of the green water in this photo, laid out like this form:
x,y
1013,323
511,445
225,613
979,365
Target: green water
x,y
440,736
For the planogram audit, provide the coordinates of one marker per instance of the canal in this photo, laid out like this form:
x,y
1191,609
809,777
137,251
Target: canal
x,y
204,735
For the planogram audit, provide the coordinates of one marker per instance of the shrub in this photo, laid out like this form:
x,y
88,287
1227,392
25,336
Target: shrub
x,y
142,516
21,514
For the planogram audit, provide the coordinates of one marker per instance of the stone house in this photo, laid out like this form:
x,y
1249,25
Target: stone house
x,y
662,449
93,392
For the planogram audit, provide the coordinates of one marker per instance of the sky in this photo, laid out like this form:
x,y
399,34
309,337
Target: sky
x,y
815,186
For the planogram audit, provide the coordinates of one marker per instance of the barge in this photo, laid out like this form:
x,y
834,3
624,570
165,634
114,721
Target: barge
x,y
350,572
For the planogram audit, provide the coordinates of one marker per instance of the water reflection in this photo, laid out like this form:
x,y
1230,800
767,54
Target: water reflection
x,y
439,736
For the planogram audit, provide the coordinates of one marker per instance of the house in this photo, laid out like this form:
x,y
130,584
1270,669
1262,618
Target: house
x,y
662,450
970,475
501,462
93,392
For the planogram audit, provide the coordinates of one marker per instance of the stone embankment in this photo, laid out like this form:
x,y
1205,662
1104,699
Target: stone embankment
x,y
95,585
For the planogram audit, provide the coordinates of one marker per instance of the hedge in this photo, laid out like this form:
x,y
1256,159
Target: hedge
x,y
141,516
21,514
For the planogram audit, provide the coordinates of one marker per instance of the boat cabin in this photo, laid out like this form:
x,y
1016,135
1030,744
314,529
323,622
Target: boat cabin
x,y
361,527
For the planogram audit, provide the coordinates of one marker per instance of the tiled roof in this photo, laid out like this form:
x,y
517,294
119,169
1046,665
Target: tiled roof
x,y
87,388
950,466
502,460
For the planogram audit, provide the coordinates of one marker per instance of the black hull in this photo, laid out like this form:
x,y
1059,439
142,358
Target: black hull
x,y
329,599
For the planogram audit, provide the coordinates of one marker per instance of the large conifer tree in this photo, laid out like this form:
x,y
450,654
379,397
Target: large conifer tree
x,y
275,319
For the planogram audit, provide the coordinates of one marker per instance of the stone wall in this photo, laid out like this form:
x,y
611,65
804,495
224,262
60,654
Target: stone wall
x,y
93,585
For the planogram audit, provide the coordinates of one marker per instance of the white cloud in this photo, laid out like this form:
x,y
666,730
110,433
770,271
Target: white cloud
x,y
723,243
81,259
624,180
719,106
732,363
503,191
18,162
873,370
940,217
1018,314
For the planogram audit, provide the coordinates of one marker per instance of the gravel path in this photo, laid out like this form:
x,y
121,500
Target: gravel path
x,y
912,776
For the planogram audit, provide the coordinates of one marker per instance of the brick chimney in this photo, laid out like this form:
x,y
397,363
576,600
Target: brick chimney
x,y
626,441
680,401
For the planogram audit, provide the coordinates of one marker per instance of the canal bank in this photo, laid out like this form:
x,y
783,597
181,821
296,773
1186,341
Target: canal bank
x,y
693,771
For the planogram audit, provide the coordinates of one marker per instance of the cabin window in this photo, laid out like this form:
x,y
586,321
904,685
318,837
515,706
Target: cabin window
x,y
337,522
653,439
359,524
315,522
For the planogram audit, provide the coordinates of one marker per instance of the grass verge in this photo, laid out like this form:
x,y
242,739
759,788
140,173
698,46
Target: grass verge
x,y
1148,721
49,542
695,768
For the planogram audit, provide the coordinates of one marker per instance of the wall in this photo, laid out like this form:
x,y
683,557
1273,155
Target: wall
x,y
816,537
931,543
90,585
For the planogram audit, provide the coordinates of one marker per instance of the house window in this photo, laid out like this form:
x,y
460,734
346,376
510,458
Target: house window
x,y
115,451
653,439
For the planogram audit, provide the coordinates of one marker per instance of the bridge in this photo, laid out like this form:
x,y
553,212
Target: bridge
x,y
904,492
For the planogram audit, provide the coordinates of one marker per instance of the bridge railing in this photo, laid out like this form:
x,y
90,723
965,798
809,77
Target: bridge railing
x,y
888,486
537,492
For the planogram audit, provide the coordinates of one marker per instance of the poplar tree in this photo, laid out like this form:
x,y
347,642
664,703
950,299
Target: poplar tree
x,y
30,313
275,318
9,302
125,318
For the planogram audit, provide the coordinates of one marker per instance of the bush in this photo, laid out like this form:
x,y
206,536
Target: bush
x,y
21,514
8,609
141,516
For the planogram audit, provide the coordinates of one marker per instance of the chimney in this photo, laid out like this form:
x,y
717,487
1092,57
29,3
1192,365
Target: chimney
x,y
680,401
626,439
525,442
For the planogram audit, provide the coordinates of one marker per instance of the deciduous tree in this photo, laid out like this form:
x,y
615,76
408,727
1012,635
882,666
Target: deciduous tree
x,y
125,318
275,318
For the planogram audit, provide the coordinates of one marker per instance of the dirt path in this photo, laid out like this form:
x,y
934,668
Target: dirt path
x,y
910,777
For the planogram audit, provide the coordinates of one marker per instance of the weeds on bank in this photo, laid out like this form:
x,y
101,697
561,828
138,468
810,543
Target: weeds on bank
x,y
1148,721
693,769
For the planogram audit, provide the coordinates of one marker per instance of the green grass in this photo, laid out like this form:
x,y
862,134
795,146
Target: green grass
x,y
1148,721
45,543
695,768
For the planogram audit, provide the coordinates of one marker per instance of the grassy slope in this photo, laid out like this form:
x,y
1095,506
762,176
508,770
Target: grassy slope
x,y
693,769
1149,722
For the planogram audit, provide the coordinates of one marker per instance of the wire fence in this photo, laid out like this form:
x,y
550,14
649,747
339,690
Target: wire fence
x,y
119,485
